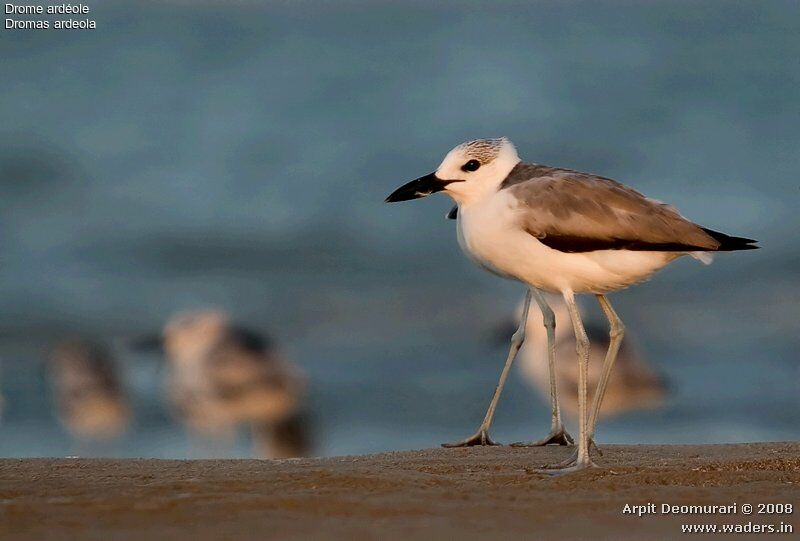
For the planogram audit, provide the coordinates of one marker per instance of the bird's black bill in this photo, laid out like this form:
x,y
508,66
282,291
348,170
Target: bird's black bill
x,y
421,187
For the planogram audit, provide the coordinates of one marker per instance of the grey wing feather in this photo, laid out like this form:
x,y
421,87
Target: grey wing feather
x,y
577,212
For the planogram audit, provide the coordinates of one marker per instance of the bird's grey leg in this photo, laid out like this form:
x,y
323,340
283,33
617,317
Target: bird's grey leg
x,y
481,437
582,460
616,333
558,434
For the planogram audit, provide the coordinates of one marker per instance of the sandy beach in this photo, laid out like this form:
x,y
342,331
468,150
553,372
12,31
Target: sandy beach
x,y
475,493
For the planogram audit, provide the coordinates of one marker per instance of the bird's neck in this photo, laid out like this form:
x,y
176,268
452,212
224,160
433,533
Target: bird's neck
x,y
481,189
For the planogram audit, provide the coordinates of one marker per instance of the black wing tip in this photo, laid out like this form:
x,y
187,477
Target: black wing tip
x,y
453,214
728,243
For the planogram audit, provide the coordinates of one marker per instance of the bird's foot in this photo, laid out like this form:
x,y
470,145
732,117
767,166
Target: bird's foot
x,y
573,459
574,465
481,437
558,436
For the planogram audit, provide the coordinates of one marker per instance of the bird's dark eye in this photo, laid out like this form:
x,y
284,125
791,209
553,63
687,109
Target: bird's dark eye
x,y
471,165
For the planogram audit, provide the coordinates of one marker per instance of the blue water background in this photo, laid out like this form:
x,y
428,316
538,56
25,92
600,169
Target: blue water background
x,y
237,154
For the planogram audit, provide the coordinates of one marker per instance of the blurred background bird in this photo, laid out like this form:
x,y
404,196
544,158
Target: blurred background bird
x,y
223,376
634,385
90,400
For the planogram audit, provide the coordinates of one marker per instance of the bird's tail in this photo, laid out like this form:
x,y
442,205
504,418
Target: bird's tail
x,y
731,244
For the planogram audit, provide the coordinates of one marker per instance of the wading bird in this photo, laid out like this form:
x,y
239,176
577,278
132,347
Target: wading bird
x,y
564,232
89,398
223,375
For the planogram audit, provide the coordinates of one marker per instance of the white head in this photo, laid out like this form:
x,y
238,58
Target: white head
x,y
189,336
468,172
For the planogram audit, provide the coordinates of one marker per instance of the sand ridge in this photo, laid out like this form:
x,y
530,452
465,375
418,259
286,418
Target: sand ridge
x,y
430,494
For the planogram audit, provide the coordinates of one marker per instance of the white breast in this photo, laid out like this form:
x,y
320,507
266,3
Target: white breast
x,y
488,233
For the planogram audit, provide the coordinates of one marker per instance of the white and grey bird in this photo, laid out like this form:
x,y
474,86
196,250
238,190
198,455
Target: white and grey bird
x,y
565,232
89,396
252,382
223,375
